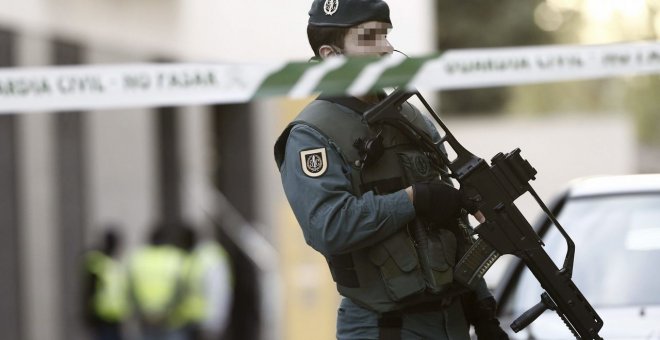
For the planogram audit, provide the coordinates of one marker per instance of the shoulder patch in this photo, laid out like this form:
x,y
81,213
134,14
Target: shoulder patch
x,y
314,162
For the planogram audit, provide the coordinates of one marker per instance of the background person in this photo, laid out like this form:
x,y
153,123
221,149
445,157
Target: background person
x,y
105,288
208,286
157,286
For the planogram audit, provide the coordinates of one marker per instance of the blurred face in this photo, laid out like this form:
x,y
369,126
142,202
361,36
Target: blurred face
x,y
368,39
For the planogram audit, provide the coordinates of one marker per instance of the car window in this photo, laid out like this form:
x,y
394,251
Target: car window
x,y
617,258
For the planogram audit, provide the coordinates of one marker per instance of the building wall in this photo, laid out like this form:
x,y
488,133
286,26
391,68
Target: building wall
x,y
10,222
38,250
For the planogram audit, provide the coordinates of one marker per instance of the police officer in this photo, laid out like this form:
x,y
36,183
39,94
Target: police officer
x,y
363,195
157,286
105,283
207,286
208,289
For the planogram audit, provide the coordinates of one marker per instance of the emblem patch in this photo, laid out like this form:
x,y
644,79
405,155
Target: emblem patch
x,y
330,6
314,162
422,165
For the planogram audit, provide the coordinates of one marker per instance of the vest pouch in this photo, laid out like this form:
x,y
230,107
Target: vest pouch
x,y
442,259
399,266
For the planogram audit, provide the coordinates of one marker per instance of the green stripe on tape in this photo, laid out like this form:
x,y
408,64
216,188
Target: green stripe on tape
x,y
281,82
337,81
401,74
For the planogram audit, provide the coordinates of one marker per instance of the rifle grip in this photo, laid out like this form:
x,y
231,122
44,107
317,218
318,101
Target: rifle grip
x,y
531,314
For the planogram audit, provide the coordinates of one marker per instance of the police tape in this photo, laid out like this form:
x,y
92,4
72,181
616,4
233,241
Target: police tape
x,y
97,87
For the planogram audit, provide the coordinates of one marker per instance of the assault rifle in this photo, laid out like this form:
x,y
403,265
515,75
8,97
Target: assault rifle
x,y
494,188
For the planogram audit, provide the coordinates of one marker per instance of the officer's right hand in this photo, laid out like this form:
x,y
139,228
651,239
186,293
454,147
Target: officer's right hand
x,y
440,202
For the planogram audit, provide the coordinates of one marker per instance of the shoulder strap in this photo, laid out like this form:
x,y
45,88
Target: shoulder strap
x,y
338,123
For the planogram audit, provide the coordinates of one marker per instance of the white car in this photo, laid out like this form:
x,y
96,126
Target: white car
x,y
615,224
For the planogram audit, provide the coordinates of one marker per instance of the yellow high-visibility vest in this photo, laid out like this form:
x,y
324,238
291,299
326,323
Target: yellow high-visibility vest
x,y
201,259
110,299
156,281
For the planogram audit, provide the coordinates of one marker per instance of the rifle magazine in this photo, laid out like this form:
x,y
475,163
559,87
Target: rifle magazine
x,y
475,263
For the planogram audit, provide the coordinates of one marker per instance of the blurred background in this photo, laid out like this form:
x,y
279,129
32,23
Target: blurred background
x,y
66,176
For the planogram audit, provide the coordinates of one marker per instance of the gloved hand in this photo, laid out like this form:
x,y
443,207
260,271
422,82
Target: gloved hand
x,y
481,314
439,201
490,330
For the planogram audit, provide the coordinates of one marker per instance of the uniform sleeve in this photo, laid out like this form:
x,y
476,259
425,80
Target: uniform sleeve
x,y
333,220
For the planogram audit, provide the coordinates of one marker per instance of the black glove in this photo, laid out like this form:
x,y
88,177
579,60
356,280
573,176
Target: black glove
x,y
490,330
481,314
440,202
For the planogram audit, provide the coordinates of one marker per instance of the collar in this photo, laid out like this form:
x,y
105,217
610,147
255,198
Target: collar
x,y
351,102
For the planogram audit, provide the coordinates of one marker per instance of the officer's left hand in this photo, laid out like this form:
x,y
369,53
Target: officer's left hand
x,y
481,314
490,330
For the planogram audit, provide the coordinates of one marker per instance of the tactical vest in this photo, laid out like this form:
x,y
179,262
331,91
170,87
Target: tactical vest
x,y
387,276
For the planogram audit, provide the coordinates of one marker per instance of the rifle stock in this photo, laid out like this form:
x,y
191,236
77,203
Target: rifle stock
x,y
495,187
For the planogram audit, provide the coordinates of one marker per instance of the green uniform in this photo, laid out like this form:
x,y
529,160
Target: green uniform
x,y
358,216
